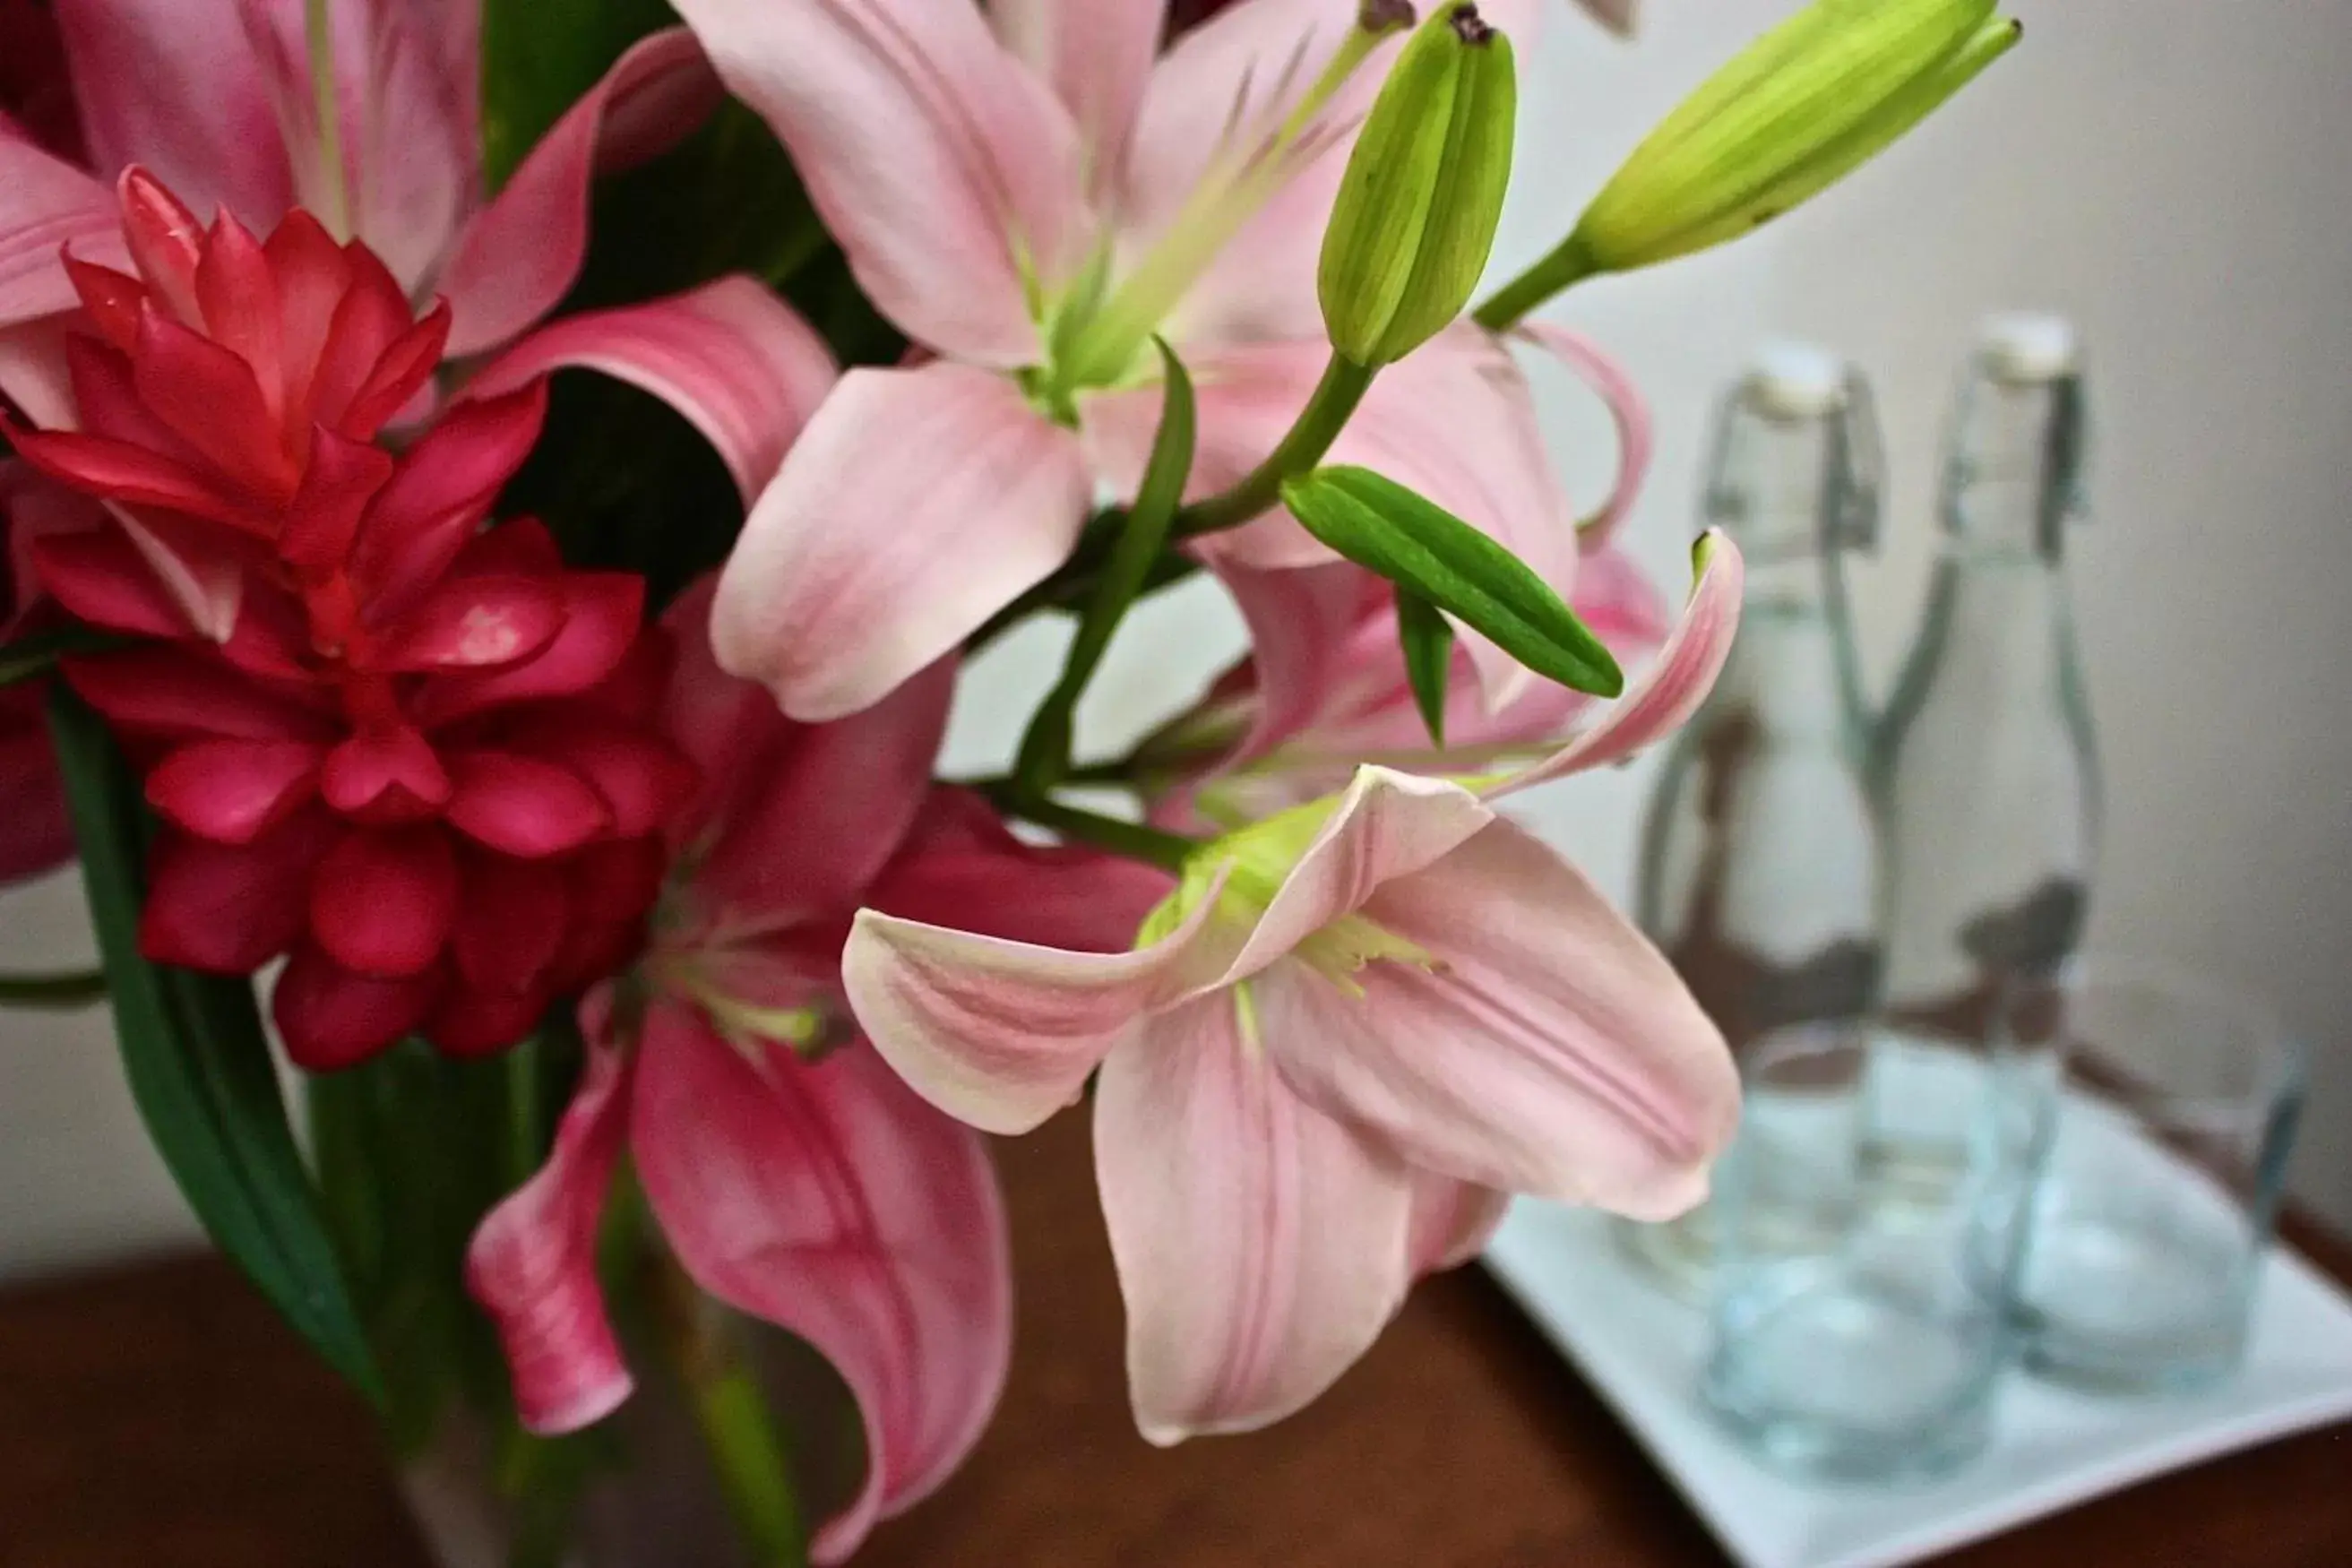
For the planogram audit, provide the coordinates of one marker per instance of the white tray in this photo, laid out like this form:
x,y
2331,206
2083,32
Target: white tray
x,y
2051,1449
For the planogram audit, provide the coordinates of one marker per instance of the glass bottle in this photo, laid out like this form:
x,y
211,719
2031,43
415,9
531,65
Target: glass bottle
x,y
1983,767
1759,862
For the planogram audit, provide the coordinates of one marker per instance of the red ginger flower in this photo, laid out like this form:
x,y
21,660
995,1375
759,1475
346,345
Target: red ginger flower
x,y
422,762
231,399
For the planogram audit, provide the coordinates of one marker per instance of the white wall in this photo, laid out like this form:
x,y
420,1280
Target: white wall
x,y
77,1180
2168,170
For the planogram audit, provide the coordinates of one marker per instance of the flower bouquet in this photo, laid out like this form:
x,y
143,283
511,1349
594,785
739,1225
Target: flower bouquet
x,y
565,761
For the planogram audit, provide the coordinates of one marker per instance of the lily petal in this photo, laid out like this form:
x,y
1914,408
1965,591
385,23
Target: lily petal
x,y
1304,659
1549,1049
736,361
516,257
1620,602
33,371
827,1199
179,89
1387,826
1099,57
1003,1034
915,505
1627,406
1261,1245
532,1263
1672,690
949,173
827,809
1452,1222
408,77
1217,96
962,867
52,204
725,725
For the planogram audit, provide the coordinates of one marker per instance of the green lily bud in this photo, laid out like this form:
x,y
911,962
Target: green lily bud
x,y
1793,113
1417,208
1799,110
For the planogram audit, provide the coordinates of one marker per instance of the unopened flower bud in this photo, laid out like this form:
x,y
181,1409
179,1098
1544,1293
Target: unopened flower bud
x,y
1423,189
1796,111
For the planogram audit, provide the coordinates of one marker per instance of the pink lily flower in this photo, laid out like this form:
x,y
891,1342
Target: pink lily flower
x,y
215,101
793,1175
1352,1028
1031,193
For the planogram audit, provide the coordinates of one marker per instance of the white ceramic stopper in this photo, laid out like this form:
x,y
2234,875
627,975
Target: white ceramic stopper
x,y
1790,380
2026,347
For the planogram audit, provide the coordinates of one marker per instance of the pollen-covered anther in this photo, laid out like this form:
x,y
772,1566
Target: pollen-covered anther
x,y
1469,27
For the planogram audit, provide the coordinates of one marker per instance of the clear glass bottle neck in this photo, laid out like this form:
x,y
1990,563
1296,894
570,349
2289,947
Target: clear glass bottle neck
x,y
2012,478
1790,492
1794,491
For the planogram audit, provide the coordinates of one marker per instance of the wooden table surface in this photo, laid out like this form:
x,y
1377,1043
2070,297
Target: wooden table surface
x,y
158,1417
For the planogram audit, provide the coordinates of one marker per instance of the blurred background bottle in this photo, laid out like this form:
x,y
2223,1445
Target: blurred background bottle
x,y
1759,864
1983,767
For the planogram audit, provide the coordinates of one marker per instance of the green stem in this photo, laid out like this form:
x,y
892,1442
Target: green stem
x,y
1318,425
754,1470
525,1135
1568,265
59,991
1327,411
1133,840
1141,533
29,658
1111,773
320,38
746,1445
541,1482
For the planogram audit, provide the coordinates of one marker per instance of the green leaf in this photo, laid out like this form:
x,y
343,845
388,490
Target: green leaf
x,y
200,1068
1422,548
411,1150
539,56
1427,638
30,657
57,991
1142,531
725,200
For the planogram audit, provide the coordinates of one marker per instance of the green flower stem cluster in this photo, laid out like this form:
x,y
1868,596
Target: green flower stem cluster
x,y
1410,232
